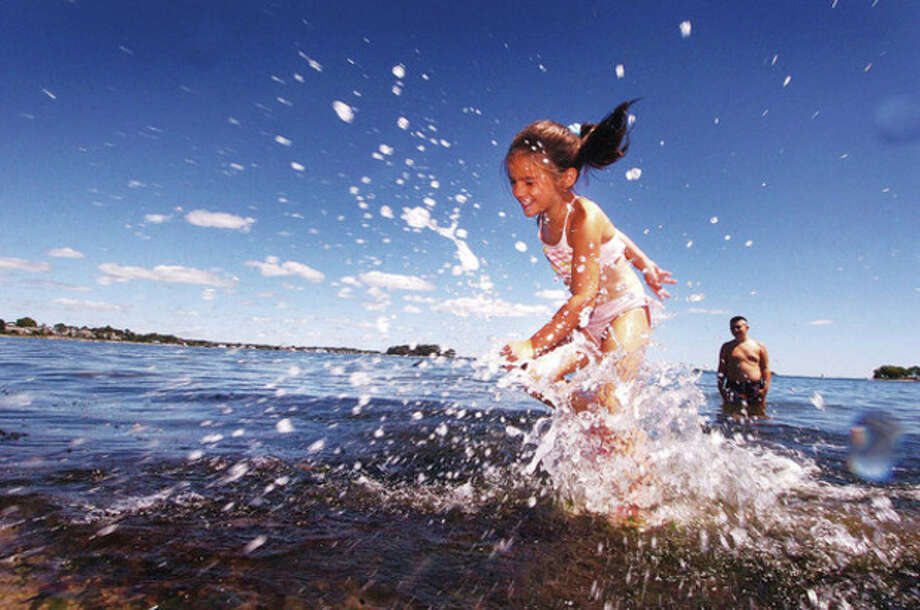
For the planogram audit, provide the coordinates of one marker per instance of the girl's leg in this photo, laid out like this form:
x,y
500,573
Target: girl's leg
x,y
628,333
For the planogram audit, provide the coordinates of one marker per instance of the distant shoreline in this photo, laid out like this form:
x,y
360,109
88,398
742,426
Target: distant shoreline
x,y
202,343
112,335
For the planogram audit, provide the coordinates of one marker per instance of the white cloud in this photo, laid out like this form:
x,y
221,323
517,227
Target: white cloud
x,y
219,220
57,285
685,29
392,281
273,267
23,265
553,295
708,312
417,298
484,307
161,273
65,253
156,218
376,305
820,322
84,305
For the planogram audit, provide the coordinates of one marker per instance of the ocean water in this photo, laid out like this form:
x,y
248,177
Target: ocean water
x,y
161,476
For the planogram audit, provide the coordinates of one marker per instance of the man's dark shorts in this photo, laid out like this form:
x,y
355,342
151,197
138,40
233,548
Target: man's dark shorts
x,y
747,391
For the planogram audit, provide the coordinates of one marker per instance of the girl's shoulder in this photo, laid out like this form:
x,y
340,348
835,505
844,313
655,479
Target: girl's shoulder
x,y
587,211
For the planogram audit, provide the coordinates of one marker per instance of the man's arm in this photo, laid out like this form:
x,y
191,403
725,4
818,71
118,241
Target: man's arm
x,y
765,373
723,354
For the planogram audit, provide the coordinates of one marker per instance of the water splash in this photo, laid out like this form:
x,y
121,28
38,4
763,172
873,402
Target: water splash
x,y
657,458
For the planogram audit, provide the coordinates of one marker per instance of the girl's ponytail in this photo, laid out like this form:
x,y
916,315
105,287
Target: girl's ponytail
x,y
601,143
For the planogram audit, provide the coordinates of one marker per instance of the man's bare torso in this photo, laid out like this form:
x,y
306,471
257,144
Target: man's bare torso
x,y
741,361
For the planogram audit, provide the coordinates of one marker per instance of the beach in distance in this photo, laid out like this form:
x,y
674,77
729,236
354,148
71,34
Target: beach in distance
x,y
136,476
27,327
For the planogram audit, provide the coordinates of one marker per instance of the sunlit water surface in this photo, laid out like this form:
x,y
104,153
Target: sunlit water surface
x,y
136,475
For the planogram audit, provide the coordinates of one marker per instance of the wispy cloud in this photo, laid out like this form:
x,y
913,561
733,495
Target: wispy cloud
x,y
484,307
21,264
65,253
820,322
157,218
273,267
219,220
392,281
56,285
553,295
707,312
161,273
77,304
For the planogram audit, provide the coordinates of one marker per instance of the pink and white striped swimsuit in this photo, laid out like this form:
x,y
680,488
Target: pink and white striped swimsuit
x,y
560,258
560,254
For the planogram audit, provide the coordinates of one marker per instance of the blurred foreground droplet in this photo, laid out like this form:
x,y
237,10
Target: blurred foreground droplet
x,y
898,119
873,440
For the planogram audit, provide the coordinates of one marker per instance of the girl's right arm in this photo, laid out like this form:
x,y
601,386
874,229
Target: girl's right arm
x,y
654,275
585,235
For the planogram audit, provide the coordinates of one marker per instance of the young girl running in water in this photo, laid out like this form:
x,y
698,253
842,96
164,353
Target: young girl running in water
x,y
608,305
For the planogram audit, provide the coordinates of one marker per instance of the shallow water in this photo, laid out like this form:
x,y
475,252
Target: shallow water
x,y
135,475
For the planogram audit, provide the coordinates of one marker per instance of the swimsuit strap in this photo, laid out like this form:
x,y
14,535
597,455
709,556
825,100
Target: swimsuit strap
x,y
565,223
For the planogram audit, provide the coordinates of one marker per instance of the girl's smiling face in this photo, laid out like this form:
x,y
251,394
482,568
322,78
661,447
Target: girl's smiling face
x,y
536,185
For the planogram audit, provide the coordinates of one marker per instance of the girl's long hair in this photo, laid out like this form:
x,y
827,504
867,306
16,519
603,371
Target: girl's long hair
x,y
597,146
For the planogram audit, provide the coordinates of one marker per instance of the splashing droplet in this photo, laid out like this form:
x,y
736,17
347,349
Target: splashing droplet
x,y
344,111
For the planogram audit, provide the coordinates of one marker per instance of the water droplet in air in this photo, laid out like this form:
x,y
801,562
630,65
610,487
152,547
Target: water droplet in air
x,y
818,401
344,111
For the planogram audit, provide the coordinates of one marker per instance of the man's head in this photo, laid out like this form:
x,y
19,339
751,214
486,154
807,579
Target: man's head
x,y
738,326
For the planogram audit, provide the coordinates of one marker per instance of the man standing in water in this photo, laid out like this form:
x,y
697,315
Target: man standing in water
x,y
744,372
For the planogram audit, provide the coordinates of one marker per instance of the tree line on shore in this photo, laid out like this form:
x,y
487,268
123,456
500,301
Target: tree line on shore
x,y
28,327
890,371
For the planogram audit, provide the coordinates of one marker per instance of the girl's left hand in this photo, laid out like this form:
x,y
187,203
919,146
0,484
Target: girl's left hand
x,y
518,350
655,276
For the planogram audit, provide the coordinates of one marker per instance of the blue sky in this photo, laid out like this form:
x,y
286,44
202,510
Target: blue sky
x,y
315,174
